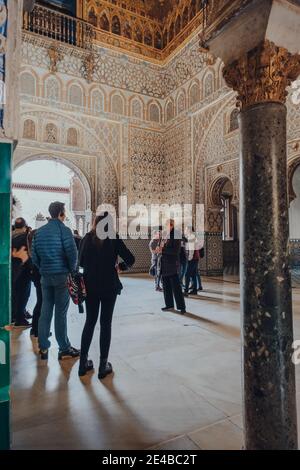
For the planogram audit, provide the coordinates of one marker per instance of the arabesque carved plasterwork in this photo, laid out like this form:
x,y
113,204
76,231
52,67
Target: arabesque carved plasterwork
x,y
54,56
159,161
202,129
293,119
100,144
110,68
146,166
88,67
178,164
108,186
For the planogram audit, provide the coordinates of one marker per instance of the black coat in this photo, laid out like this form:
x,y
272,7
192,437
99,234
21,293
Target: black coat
x,y
17,269
170,260
98,260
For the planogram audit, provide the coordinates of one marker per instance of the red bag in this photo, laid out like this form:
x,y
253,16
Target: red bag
x,y
77,290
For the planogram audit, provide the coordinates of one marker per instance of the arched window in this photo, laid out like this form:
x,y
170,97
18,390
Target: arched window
x,y
117,104
154,113
148,38
170,111
138,35
181,103
226,193
208,85
171,32
97,101
136,109
92,18
51,135
27,85
127,30
52,89
178,25
75,95
234,123
116,25
194,94
29,129
104,22
158,44
185,17
72,138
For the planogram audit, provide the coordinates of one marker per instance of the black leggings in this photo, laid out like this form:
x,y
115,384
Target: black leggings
x,y
93,301
38,307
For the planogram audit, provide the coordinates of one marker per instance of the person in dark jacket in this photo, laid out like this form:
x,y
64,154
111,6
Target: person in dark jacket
x,y
22,287
183,261
170,266
77,238
54,253
98,257
19,259
156,259
36,279
193,253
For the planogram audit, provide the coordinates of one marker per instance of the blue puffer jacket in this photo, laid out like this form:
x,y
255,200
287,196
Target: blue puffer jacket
x,y
53,249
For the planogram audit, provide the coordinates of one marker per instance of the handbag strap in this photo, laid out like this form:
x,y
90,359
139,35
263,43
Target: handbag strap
x,y
63,246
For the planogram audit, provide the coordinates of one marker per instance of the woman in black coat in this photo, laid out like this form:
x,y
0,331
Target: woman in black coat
x,y
99,258
170,266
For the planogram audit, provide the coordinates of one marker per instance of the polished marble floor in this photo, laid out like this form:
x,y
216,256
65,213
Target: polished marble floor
x,y
176,383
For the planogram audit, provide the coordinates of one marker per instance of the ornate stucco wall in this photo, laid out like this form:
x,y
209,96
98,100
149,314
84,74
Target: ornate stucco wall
x,y
159,134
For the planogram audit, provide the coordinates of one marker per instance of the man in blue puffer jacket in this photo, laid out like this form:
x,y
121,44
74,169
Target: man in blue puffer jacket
x,y
55,254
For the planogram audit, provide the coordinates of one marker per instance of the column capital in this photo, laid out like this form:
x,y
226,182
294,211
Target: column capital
x,y
262,74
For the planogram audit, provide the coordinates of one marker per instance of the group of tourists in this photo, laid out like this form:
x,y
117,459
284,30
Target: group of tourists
x,y
51,256
175,265
48,256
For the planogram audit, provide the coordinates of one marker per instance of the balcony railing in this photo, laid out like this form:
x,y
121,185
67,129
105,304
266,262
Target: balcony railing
x,y
60,27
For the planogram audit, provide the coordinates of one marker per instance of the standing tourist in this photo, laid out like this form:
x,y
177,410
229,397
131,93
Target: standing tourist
x,y
55,254
77,239
170,265
36,279
183,261
98,257
22,286
156,259
192,273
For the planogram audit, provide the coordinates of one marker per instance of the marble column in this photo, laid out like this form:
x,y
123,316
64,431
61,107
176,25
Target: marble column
x,y
269,397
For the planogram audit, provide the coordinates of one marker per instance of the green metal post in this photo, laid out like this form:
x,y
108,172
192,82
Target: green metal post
x,y
5,303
